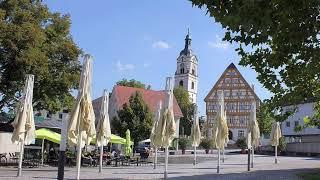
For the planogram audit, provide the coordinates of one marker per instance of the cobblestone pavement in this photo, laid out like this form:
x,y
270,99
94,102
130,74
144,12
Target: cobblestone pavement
x,y
234,167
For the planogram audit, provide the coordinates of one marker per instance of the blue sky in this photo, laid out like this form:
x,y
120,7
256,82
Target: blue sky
x,y
142,40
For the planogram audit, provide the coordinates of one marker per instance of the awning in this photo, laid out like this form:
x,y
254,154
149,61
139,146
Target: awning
x,y
48,135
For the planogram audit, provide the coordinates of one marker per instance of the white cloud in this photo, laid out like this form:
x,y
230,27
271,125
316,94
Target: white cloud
x,y
145,65
160,45
219,43
124,67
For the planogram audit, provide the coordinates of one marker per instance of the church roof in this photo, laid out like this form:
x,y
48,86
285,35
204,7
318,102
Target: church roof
x,y
187,46
150,97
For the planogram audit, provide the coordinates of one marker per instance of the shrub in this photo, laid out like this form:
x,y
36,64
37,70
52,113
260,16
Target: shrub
x,y
241,143
282,144
183,143
206,143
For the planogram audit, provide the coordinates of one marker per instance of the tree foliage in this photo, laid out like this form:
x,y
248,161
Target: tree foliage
x,y
34,40
279,39
264,118
134,116
187,109
133,83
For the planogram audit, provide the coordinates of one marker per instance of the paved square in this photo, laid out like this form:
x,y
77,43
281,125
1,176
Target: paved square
x,y
235,167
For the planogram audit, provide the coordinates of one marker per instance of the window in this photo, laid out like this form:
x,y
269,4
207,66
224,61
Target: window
x,y
182,69
193,71
192,85
288,123
240,134
181,83
38,114
60,115
296,123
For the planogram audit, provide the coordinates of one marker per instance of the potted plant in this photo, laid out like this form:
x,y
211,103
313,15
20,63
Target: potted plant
x,y
242,144
183,143
206,144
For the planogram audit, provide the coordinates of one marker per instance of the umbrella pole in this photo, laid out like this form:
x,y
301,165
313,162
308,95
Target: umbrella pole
x,y
42,151
111,147
155,158
194,155
218,166
276,155
79,154
223,155
21,157
252,156
249,158
166,164
101,155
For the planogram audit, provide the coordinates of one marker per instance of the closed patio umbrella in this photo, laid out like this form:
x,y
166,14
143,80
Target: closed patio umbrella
x,y
253,128
154,140
128,149
166,127
195,134
24,128
220,129
81,127
103,128
275,136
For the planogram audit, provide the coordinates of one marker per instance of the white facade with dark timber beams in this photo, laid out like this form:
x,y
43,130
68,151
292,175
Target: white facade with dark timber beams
x,y
186,75
238,96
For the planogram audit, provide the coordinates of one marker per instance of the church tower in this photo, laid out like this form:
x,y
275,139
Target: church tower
x,y
186,74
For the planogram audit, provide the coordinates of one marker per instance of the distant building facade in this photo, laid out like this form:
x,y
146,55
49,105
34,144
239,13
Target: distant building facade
x,y
121,94
297,119
238,96
186,74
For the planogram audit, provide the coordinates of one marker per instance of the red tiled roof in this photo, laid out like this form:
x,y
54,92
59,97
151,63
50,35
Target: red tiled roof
x,y
150,97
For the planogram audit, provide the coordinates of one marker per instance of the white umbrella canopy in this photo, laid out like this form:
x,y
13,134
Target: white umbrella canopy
x,y
195,135
166,127
220,129
253,126
275,134
82,115
195,130
103,128
24,127
81,129
155,138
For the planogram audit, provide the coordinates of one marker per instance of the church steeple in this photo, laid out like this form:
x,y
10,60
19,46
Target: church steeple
x,y
187,45
186,75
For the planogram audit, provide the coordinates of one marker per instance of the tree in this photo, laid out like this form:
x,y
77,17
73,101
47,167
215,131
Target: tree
x,y
34,40
187,109
279,39
133,83
134,116
264,118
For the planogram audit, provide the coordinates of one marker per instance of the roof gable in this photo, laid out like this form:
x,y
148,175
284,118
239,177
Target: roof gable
x,y
231,72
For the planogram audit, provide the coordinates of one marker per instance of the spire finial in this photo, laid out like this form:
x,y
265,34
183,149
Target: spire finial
x,y
188,31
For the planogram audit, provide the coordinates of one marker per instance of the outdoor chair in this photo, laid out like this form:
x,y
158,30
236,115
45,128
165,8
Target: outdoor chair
x,y
3,159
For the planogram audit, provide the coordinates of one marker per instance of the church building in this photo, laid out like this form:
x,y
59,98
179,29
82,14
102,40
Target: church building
x,y
186,75
238,96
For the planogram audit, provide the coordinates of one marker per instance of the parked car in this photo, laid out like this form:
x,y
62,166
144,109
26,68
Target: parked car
x,y
142,148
